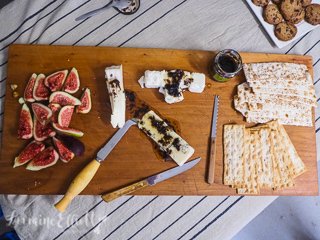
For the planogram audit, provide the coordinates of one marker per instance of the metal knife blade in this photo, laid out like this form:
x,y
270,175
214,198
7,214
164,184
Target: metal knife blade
x,y
152,180
107,148
215,117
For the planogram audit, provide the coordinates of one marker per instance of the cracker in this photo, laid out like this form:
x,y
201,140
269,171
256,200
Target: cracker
x,y
250,169
296,163
234,138
266,158
282,170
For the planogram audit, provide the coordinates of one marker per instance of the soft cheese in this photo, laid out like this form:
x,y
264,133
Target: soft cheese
x,y
172,83
168,140
117,96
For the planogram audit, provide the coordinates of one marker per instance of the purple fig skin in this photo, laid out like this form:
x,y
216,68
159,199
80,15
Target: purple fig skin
x,y
73,144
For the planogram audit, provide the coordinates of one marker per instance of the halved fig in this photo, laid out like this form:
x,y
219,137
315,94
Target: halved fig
x,y
55,108
63,99
72,83
67,131
42,132
25,123
41,112
85,106
55,81
28,91
65,115
73,144
65,154
40,92
44,159
28,153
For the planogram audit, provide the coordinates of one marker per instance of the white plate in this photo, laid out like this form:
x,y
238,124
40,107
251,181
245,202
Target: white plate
x,y
303,27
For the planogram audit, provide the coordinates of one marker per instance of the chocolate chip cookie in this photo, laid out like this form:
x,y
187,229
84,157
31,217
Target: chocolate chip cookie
x,y
313,14
305,2
285,31
276,1
290,8
272,14
297,18
260,3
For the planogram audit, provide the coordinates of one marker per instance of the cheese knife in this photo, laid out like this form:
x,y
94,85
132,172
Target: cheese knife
x,y
212,158
87,173
150,181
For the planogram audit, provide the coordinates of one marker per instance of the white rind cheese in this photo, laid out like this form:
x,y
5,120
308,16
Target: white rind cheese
x,y
168,140
172,83
117,96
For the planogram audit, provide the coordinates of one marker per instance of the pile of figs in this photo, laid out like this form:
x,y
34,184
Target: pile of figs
x,y
47,123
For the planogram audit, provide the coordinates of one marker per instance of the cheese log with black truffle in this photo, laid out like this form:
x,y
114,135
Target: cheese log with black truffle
x,y
172,83
116,94
168,140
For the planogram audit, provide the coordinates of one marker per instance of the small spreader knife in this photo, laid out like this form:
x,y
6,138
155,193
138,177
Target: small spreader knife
x,y
87,173
212,159
150,181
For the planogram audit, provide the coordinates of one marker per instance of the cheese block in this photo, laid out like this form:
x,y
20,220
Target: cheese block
x,y
172,83
117,96
168,140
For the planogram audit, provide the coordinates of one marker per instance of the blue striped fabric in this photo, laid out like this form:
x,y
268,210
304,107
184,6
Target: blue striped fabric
x,y
183,24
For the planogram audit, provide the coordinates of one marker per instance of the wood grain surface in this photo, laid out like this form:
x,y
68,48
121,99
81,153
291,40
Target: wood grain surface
x,y
134,158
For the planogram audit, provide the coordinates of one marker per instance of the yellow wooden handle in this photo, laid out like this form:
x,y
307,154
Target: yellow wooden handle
x,y
125,191
212,162
78,184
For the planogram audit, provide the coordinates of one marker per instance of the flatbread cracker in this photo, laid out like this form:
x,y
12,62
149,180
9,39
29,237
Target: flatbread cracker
x,y
234,138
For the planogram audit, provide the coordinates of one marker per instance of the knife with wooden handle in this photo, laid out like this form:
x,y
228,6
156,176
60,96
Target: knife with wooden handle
x,y
150,181
87,173
212,157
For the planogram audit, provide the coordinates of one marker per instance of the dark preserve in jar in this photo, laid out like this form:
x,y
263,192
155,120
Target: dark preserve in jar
x,y
226,64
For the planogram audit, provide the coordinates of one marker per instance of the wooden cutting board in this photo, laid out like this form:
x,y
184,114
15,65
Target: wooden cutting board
x,y
134,157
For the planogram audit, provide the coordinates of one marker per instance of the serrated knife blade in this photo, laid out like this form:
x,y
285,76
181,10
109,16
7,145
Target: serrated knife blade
x,y
215,117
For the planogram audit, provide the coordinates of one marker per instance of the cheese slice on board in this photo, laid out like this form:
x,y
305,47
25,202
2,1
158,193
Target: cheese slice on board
x,y
117,96
168,140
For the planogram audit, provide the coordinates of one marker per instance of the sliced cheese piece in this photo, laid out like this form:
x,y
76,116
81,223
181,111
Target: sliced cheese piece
x,y
168,140
198,82
117,96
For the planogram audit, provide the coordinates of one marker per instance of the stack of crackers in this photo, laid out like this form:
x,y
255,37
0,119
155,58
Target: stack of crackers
x,y
276,90
261,156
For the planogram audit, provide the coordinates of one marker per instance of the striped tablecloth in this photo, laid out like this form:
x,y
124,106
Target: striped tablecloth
x,y
182,24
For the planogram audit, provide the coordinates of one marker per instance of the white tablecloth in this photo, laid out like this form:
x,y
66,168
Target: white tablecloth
x,y
182,24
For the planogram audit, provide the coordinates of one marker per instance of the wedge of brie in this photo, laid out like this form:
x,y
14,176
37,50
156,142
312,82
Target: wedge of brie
x,y
117,96
172,83
168,140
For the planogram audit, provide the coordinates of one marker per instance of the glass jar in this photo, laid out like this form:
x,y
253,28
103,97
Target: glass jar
x,y
226,65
